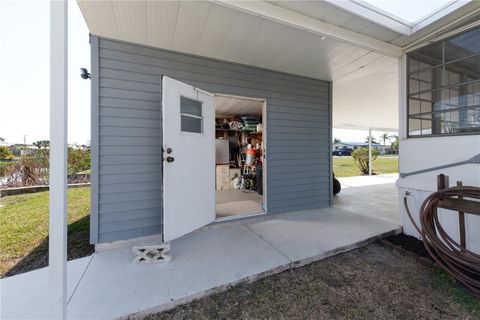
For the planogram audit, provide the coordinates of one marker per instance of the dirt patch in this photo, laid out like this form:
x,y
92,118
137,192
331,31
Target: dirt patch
x,y
409,243
368,283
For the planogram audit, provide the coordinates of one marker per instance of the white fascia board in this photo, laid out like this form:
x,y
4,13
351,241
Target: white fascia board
x,y
296,20
431,37
437,14
375,15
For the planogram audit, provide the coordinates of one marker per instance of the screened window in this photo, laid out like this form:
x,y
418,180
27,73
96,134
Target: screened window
x,y
444,87
191,119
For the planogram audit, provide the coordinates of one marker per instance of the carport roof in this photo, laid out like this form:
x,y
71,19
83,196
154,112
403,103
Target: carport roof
x,y
326,40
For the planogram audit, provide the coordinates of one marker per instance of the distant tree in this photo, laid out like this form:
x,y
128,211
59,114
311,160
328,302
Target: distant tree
x,y
373,140
5,153
384,137
42,144
336,140
2,139
78,159
395,144
360,156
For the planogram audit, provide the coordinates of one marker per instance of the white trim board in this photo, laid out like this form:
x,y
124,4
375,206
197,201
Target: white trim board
x,y
376,15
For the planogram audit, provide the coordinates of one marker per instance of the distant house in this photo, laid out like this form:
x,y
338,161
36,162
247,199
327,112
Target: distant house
x,y
28,150
354,145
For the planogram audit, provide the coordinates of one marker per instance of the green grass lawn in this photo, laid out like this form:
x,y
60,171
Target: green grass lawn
x,y
24,230
346,167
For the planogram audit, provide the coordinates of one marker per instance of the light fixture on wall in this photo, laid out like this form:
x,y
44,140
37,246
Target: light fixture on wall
x,y
85,74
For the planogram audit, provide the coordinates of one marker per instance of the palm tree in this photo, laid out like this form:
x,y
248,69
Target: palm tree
x,y
384,137
373,140
336,140
395,144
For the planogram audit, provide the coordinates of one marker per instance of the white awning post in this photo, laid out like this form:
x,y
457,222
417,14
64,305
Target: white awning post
x,y
57,250
369,151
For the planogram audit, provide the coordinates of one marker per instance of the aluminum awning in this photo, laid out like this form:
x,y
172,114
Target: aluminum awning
x,y
315,39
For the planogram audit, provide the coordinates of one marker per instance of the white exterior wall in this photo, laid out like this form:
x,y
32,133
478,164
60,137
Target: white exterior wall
x,y
422,153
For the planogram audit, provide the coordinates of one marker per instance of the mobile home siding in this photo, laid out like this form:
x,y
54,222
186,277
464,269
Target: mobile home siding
x,y
129,134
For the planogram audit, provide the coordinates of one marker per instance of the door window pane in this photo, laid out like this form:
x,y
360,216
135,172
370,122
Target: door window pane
x,y
191,124
190,106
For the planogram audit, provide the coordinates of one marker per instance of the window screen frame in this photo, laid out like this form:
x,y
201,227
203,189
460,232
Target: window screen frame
x,y
438,90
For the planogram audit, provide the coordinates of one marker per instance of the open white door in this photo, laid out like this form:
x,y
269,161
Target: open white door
x,y
188,158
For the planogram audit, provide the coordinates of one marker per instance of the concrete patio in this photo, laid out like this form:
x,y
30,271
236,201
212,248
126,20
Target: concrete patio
x,y
370,196
108,285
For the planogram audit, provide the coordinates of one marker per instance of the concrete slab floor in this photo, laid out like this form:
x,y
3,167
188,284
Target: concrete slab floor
x,y
108,285
371,196
234,195
362,181
25,296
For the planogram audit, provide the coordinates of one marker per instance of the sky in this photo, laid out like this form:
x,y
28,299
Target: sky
x,y
404,8
25,63
24,98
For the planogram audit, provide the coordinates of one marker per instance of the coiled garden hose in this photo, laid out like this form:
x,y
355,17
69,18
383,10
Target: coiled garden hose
x,y
459,262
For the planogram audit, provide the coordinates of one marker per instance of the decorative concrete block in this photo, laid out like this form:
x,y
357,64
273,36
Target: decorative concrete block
x,y
152,253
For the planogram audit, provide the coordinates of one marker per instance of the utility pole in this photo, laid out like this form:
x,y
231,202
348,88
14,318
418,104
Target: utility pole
x,y
25,139
369,151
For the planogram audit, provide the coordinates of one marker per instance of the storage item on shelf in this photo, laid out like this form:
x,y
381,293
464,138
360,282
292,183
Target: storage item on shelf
x,y
251,155
222,177
222,151
222,124
250,122
235,178
235,125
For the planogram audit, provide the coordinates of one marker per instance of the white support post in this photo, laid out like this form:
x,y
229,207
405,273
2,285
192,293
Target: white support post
x,y
57,254
369,151
402,97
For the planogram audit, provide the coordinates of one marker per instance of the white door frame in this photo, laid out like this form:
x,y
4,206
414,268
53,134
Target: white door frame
x,y
264,152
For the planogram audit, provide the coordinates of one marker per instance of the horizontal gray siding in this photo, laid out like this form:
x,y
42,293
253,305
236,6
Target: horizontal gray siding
x,y
130,135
